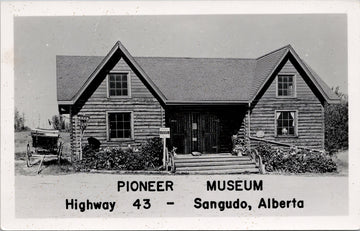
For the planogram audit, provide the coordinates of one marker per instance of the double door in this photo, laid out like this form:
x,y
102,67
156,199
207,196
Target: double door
x,y
194,132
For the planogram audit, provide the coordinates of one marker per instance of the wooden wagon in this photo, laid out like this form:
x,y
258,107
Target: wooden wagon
x,y
45,143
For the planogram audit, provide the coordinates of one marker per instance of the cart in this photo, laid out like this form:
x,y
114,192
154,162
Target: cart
x,y
45,143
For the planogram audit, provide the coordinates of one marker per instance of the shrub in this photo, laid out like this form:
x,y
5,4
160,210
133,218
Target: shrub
x,y
336,124
110,159
295,161
152,152
149,156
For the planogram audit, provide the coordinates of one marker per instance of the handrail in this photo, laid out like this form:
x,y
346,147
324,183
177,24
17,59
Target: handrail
x,y
171,160
254,154
270,141
283,144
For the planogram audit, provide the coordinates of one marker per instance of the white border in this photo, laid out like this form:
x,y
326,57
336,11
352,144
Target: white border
x,y
39,8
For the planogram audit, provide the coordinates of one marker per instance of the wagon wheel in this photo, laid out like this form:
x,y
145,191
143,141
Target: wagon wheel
x,y
28,155
59,152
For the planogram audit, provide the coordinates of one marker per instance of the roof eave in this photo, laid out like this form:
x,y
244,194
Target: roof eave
x,y
142,72
206,102
65,102
308,72
95,73
333,101
272,72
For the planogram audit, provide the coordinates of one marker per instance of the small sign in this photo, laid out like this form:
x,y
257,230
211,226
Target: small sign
x,y
260,134
164,132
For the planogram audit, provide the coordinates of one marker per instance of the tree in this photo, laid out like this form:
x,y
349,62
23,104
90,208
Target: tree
x,y
19,121
58,122
336,123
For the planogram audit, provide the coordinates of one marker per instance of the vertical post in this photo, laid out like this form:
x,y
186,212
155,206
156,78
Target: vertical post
x,y
249,124
164,133
77,152
323,126
164,153
71,136
167,157
83,119
80,153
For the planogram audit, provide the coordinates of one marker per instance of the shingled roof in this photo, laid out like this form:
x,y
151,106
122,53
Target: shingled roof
x,y
184,80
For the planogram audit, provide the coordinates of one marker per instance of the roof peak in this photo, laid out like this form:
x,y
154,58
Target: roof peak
x,y
170,57
161,57
288,46
119,45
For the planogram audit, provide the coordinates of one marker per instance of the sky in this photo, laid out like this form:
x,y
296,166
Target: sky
x,y
319,39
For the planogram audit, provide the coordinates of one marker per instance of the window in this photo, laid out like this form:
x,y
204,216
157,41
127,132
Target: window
x,y
118,84
285,123
119,125
286,86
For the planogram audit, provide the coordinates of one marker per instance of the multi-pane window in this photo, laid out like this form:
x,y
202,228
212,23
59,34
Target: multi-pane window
x,y
286,123
285,85
118,84
120,125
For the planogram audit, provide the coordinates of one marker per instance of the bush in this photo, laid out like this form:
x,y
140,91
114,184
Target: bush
x,y
110,159
295,161
336,124
152,152
150,156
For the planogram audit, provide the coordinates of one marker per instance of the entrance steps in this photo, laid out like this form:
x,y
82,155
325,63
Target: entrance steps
x,y
222,163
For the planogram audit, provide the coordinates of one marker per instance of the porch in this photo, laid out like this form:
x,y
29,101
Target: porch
x,y
205,129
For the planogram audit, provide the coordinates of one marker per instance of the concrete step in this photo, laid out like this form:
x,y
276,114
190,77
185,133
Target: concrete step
x,y
221,171
209,159
216,167
209,156
211,163
222,163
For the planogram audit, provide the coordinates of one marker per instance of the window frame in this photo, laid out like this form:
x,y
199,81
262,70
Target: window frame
x,y
108,126
294,83
128,84
296,123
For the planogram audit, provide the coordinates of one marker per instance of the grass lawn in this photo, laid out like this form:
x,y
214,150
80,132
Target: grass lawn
x,y
342,161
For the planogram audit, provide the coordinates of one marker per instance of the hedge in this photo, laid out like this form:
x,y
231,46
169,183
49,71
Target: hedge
x,y
295,160
336,124
148,157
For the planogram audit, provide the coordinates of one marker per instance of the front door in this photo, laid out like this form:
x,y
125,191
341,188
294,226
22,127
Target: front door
x,y
195,132
209,133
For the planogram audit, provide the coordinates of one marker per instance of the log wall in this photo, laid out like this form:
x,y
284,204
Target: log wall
x,y
310,114
148,114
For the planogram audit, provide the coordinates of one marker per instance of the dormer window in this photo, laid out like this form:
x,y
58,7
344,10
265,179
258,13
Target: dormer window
x,y
118,84
286,86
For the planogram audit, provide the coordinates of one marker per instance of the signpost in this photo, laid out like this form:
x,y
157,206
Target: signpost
x,y
164,133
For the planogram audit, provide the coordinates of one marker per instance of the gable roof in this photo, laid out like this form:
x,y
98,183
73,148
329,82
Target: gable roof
x,y
118,51
183,80
200,79
265,66
72,73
